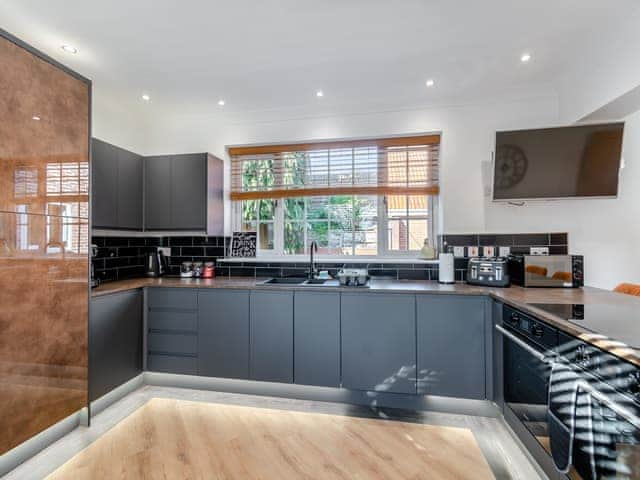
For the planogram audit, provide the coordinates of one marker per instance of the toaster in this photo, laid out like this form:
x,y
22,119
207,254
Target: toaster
x,y
488,271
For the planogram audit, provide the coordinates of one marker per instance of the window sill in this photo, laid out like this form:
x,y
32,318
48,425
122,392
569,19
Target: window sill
x,y
325,259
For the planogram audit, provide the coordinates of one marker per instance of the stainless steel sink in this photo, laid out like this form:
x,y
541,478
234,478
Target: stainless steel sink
x,y
317,282
285,281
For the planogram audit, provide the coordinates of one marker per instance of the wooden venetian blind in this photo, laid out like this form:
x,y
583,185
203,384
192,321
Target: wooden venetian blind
x,y
394,166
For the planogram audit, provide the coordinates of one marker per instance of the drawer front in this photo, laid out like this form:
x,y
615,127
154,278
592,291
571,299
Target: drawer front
x,y
178,298
171,364
171,320
172,343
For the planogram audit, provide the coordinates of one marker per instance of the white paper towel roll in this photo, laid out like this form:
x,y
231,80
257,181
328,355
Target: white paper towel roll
x,y
446,270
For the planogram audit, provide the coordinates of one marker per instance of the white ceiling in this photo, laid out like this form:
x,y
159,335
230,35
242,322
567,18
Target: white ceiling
x,y
266,55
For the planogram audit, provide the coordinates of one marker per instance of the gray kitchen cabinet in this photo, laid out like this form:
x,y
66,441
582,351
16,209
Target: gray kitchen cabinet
x,y
271,336
129,203
189,192
172,330
317,338
378,342
157,202
176,191
115,341
104,184
116,187
451,345
223,333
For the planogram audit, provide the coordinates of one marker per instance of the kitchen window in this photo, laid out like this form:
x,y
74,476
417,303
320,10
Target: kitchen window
x,y
364,198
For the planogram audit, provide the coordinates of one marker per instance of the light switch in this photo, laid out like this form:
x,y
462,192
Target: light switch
x,y
505,251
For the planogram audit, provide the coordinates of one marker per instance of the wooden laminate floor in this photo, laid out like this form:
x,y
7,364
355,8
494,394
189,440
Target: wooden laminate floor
x,y
179,439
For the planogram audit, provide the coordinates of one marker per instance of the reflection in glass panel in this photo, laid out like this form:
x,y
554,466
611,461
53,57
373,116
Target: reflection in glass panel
x,y
25,182
67,178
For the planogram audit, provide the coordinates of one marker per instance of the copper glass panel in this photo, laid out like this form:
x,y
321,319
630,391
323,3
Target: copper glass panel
x,y
44,237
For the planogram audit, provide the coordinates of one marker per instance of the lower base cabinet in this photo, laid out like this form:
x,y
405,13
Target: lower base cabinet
x,y
379,342
115,341
451,345
172,330
271,337
223,333
431,344
317,339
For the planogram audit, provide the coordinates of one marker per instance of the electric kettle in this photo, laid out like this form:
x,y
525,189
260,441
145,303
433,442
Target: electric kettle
x,y
156,264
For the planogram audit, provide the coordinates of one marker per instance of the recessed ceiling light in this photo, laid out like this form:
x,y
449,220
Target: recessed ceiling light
x,y
36,118
525,57
146,97
430,83
319,93
69,49
221,103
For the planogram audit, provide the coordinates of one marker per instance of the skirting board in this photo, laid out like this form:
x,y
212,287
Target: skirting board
x,y
39,442
482,408
42,440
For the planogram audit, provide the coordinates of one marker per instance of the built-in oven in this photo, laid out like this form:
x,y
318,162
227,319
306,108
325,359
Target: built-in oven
x,y
574,407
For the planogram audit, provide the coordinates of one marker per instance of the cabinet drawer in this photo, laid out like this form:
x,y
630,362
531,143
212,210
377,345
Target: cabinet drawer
x,y
179,298
172,320
171,364
172,343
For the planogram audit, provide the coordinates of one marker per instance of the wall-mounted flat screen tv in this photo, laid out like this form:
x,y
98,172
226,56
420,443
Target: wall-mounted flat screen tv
x,y
554,163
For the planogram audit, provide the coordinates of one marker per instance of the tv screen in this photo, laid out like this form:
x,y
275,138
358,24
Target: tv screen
x,y
564,162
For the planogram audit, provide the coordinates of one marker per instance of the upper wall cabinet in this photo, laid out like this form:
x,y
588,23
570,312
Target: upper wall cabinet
x,y
184,192
168,192
116,187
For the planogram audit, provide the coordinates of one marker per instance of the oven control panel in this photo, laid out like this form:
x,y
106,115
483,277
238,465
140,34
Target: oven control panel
x,y
532,328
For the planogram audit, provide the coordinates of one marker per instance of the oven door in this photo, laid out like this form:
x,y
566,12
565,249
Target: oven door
x,y
616,435
526,383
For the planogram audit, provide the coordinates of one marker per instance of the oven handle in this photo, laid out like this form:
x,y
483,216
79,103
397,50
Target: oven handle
x,y
616,407
540,356
582,384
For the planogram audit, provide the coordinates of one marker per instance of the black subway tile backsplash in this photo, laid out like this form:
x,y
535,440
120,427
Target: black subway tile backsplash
x,y
124,257
519,243
531,239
